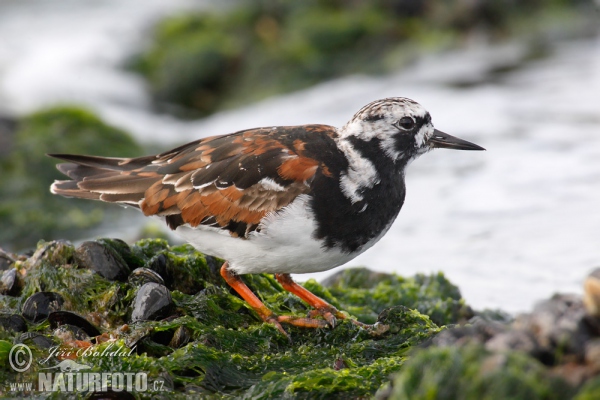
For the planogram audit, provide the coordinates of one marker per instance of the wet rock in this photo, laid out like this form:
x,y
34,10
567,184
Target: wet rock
x,y
39,305
518,340
591,296
13,322
473,373
58,318
10,284
140,276
479,331
102,259
152,302
558,324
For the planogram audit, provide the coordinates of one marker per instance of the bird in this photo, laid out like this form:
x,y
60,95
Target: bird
x,y
280,200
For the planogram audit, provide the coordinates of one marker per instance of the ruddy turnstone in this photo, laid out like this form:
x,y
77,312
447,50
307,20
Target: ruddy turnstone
x,y
281,200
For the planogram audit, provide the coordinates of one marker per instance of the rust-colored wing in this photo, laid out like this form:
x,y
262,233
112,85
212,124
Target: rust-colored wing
x,y
230,181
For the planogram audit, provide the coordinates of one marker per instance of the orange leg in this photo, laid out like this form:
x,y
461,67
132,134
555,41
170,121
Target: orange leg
x,y
267,315
321,307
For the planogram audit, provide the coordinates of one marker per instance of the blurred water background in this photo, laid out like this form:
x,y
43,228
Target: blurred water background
x,y
509,226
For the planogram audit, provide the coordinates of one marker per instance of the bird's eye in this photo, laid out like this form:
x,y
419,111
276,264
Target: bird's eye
x,y
406,123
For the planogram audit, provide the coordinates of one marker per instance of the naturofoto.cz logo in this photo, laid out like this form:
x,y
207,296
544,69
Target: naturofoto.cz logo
x,y
73,376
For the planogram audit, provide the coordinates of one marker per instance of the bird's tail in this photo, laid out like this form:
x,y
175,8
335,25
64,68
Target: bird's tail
x,y
101,178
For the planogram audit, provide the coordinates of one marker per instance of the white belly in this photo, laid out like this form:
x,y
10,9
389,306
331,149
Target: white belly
x,y
285,244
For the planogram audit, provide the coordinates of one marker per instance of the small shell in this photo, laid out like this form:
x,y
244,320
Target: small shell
x,y
152,302
58,318
39,305
140,276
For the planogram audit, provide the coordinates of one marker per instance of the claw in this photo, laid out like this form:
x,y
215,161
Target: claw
x,y
328,314
273,319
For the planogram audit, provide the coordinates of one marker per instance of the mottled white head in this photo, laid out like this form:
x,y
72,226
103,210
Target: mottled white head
x,y
402,127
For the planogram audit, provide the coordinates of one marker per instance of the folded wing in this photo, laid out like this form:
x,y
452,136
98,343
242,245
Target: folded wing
x,y
229,182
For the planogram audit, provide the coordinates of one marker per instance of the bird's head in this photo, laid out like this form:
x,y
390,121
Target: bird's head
x,y
402,128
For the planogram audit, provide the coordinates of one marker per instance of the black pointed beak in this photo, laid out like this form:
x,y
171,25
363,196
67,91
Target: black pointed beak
x,y
443,140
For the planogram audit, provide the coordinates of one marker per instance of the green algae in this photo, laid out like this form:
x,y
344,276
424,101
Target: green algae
x,y
228,350
589,391
472,373
365,293
200,62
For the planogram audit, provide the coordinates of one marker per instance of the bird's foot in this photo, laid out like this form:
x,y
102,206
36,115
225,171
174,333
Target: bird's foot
x,y
332,314
329,314
277,320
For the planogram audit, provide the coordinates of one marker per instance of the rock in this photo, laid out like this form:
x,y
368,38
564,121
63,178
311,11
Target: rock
x,y
102,259
517,340
558,324
478,332
470,372
212,343
152,302
39,305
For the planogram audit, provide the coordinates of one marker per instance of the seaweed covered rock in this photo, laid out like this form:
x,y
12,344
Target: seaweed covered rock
x,y
26,204
552,352
175,319
200,62
198,337
365,293
471,372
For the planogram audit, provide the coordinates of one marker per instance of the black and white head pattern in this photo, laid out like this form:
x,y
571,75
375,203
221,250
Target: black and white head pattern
x,y
402,127
397,126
